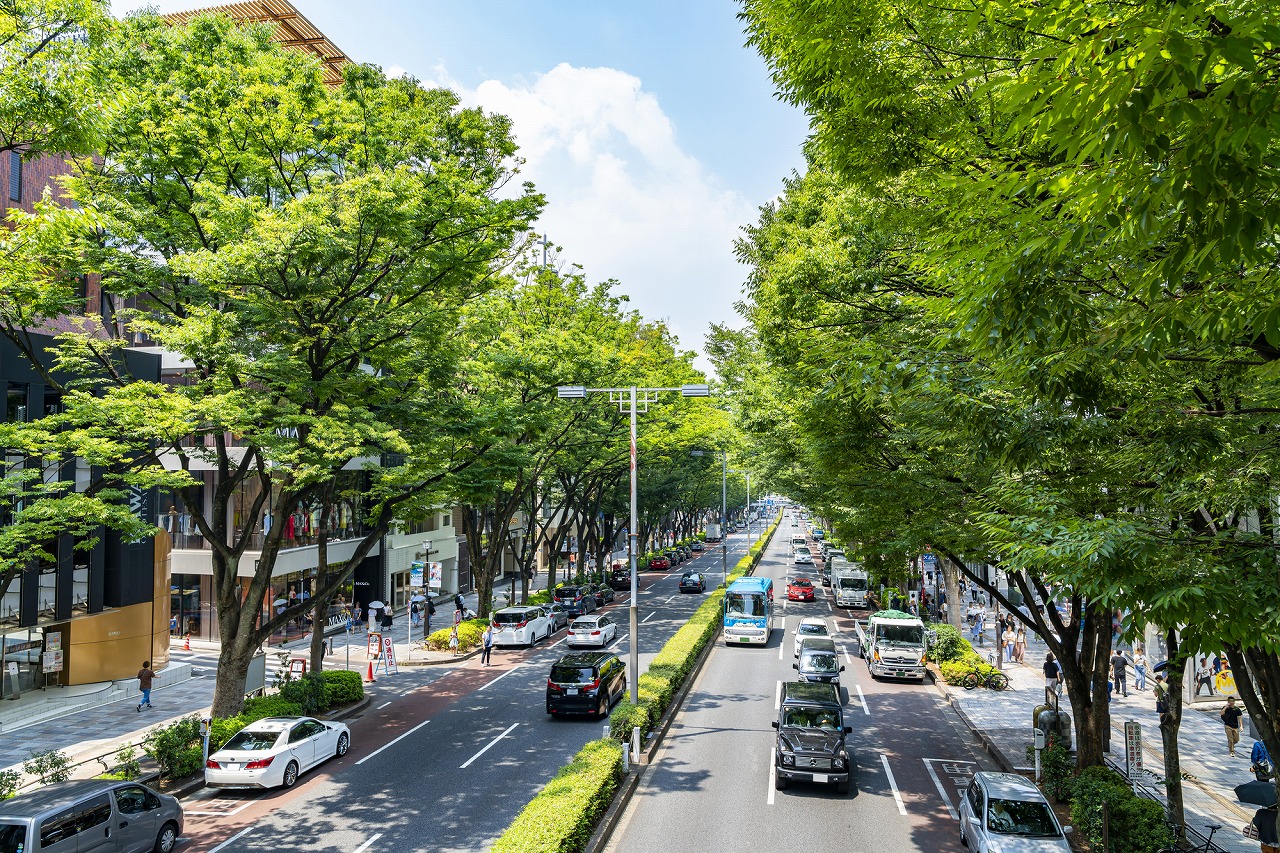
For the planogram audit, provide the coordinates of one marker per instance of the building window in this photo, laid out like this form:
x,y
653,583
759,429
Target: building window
x,y
15,176
16,411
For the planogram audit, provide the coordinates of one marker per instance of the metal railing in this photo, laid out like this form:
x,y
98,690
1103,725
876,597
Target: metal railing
x,y
1191,838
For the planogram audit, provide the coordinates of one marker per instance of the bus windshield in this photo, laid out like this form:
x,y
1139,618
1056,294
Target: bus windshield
x,y
745,604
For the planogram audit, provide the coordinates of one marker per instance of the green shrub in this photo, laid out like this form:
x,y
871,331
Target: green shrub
x,y
469,633
261,707
950,645
626,716
9,780
49,765
308,692
562,817
1136,825
177,748
127,766
342,686
1057,768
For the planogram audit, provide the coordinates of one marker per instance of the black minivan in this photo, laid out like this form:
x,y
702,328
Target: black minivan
x,y
576,600
586,683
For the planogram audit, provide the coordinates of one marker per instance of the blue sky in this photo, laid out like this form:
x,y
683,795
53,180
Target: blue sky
x,y
653,131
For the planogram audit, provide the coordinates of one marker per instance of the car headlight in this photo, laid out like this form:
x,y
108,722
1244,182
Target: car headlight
x,y
837,763
788,759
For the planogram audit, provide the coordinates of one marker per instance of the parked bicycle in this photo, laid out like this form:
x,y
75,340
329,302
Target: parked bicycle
x,y
994,679
1207,847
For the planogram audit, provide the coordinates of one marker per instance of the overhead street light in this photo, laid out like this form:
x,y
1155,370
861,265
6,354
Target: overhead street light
x,y
631,400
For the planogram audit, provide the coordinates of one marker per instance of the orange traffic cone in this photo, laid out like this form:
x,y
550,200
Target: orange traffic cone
x,y
369,675
186,642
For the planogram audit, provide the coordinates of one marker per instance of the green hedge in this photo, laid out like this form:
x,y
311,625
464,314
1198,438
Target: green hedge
x,y
561,818
1137,825
342,686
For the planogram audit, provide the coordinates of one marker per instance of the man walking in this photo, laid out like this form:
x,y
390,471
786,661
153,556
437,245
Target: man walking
x,y
486,648
1052,673
145,677
1118,664
457,603
1231,722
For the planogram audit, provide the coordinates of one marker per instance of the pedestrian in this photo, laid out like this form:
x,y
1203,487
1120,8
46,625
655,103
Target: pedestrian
x,y
357,616
1020,644
1009,639
415,615
1231,722
1118,664
384,621
1139,669
431,611
1260,762
486,648
457,603
145,677
1159,689
1264,821
1052,673
1204,676
453,639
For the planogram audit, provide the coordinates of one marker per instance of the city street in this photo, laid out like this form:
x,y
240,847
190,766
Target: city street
x,y
712,787
445,757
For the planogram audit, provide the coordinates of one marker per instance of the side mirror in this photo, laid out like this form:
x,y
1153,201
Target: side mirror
x,y
774,724
1067,830
795,666
848,730
842,667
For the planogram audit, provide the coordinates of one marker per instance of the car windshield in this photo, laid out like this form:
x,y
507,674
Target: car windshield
x,y
813,630
819,662
802,552
13,837
802,583
567,592
250,741
909,634
811,718
508,618
738,604
1020,817
567,674
853,583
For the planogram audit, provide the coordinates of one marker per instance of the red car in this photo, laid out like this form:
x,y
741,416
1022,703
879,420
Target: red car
x,y
659,563
800,589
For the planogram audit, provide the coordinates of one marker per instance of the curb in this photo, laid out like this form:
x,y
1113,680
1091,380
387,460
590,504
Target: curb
x,y
988,745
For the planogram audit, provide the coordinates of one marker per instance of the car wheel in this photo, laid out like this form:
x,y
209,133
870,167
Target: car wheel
x,y
344,743
167,839
842,787
291,774
964,840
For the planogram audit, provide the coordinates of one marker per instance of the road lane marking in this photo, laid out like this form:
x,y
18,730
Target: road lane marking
x,y
490,745
393,743
367,844
777,697
650,616
669,600
383,705
773,775
893,783
508,672
845,651
242,833
225,813
937,783
559,641
863,700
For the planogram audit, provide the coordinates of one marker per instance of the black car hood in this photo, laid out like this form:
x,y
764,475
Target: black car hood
x,y
811,741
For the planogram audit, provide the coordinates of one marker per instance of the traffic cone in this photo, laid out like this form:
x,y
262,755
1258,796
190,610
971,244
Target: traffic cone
x,y
186,642
369,675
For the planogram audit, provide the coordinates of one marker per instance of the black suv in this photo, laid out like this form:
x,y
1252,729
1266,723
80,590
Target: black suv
x,y
620,580
576,600
811,737
585,683
819,666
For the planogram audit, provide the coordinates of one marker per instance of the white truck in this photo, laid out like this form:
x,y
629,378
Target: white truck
x,y
893,644
849,582
713,532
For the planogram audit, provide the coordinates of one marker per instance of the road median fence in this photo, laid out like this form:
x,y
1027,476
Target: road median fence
x,y
563,815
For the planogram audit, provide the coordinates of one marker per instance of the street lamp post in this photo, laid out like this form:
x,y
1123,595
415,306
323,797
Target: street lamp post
x,y
628,400
747,474
724,511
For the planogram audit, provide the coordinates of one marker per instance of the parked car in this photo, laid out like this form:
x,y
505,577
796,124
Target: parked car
x,y
558,614
810,626
585,683
1007,812
675,556
90,814
824,575
696,546
687,551
576,600
818,665
819,533
604,594
693,582
804,556
620,579
520,626
598,630
659,562
274,752
800,589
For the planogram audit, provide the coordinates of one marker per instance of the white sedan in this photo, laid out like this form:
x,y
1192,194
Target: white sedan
x,y
274,752
804,556
810,626
592,631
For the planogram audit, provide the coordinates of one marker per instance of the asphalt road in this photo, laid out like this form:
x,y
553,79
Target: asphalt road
x,y
446,756
711,786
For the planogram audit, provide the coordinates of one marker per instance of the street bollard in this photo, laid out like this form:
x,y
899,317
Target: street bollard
x,y
626,764
635,744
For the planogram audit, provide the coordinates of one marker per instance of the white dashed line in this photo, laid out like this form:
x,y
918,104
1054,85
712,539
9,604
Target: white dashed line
x,y
884,759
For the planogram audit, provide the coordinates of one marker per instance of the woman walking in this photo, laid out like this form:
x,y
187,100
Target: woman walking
x,y
1139,669
1020,644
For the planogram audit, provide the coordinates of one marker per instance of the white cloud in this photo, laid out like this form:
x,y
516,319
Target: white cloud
x,y
624,200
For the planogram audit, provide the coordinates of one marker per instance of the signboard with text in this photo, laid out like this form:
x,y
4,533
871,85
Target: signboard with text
x,y
417,572
389,655
435,574
51,661
1133,748
375,644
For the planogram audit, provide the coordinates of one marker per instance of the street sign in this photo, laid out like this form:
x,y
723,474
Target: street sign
x,y
929,560
375,644
1133,748
389,655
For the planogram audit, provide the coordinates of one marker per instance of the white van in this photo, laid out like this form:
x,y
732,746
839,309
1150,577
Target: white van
x,y
798,541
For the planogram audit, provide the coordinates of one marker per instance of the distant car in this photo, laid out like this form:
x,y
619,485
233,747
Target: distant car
x,y
675,556
800,589
804,556
520,626
819,533
659,562
576,600
810,626
592,631
620,580
1007,812
687,551
604,594
824,575
818,665
696,546
274,752
693,582
558,615
585,683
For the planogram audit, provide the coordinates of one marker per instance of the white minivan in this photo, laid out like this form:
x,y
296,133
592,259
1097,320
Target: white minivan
x,y
798,541
520,626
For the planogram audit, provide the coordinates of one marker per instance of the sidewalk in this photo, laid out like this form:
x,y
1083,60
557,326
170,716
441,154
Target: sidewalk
x,y
1002,720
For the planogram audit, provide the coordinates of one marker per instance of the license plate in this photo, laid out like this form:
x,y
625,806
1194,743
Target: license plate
x,y
746,639
819,777
233,766
572,691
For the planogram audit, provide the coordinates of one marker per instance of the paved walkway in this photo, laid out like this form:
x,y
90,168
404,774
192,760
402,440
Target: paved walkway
x,y
1004,719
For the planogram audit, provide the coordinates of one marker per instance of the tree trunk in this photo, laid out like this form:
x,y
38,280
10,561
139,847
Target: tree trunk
x,y
1086,681
1169,726
228,688
320,615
